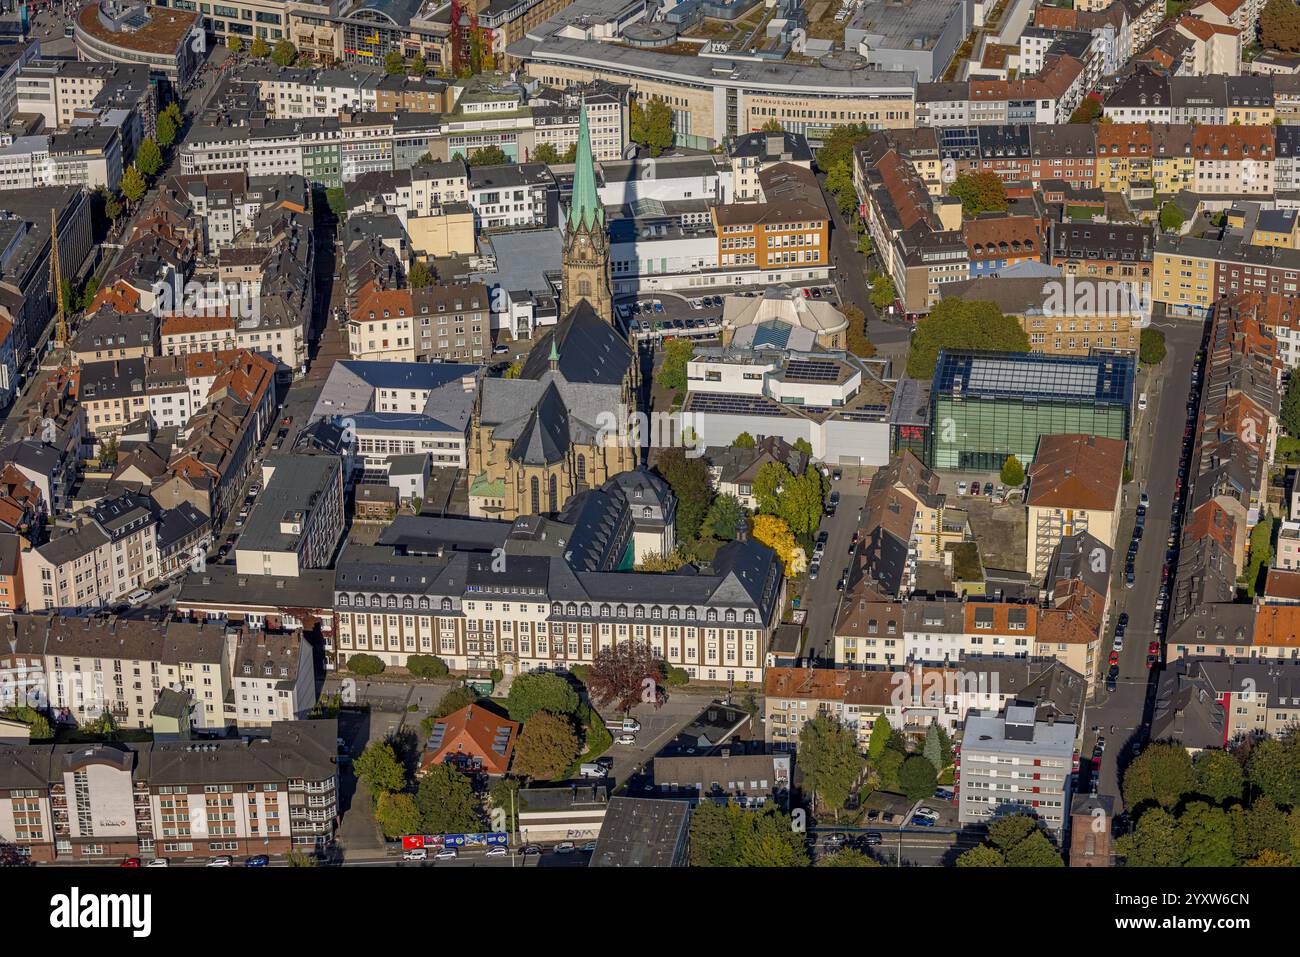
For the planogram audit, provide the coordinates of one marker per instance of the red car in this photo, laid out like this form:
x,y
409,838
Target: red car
x,y
1153,648
131,862
1114,657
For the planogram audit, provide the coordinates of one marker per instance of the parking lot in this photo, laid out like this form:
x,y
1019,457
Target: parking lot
x,y
652,317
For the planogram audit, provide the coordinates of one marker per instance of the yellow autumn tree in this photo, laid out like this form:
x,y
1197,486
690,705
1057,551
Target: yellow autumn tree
x,y
775,533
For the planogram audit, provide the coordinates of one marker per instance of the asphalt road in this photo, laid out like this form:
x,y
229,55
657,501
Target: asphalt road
x,y
821,598
1159,439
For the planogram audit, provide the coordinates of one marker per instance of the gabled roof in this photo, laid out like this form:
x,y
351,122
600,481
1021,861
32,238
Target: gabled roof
x,y
590,350
1076,471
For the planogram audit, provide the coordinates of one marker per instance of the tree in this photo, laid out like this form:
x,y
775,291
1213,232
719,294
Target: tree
x,y
419,66
1289,416
883,293
688,477
917,778
1269,859
365,665
855,335
1034,851
546,153
426,666
234,44
652,124
1218,776
848,858
514,370
148,158
396,814
982,856
772,126
260,48
1261,552
1171,217
1013,473
419,275
1151,347
546,747
461,696
1006,832
776,535
1272,768
490,156
724,516
531,693
658,564
133,184
1087,111
743,441
1279,26
173,110
297,858
446,801
379,769
979,193
798,499
959,324
829,759
1157,841
625,675
284,53
504,795
839,183
729,836
1207,836
394,64
881,732
672,372
166,129
932,750
1162,774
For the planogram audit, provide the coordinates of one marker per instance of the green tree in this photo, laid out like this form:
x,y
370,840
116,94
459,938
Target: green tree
x,y
729,836
490,156
829,759
1157,841
1279,26
743,441
959,324
888,766
461,696
379,769
1171,217
133,184
724,515
234,44
689,480
260,48
772,126
1162,774
396,814
1151,347
446,802
848,858
394,64
1006,832
298,858
365,665
855,335
337,200
1289,417
426,666
173,110
546,747
1218,776
419,66
917,778
166,129
652,124
883,294
839,183
419,275
1035,851
880,735
1087,111
545,153
148,158
1013,473
1261,552
504,795
932,750
979,193
672,372
531,693
982,856
798,499
1272,768
1207,836
284,53
514,370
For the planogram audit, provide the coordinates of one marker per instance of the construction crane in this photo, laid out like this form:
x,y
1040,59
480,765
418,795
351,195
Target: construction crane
x,y
61,336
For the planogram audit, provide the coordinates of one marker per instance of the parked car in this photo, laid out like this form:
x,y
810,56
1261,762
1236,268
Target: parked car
x,y
874,839
588,848
220,862
625,739
531,850
131,862
961,488
258,860
415,854
159,862
446,854
814,570
565,847
836,475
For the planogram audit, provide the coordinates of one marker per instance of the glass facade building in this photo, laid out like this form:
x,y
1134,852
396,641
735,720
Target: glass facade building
x,y
985,406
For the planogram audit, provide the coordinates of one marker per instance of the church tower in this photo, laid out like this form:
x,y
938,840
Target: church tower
x,y
586,244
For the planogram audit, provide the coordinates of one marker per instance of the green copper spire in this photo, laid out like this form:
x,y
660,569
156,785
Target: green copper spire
x,y
585,209
555,352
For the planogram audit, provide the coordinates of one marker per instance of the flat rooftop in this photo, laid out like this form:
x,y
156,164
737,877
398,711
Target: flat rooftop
x,y
161,33
913,25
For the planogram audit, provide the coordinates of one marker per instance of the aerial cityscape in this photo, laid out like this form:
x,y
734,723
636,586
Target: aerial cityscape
x,y
649,433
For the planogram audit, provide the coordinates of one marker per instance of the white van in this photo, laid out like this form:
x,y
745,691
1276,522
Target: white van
x,y
137,597
627,724
415,854
592,771
1142,402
